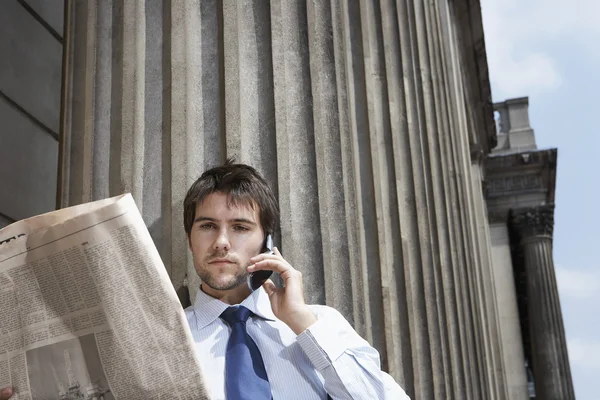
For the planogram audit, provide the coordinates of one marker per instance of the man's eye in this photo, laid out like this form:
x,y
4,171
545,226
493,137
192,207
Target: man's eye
x,y
206,227
241,228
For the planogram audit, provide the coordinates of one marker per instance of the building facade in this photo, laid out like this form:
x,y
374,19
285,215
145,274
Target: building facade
x,y
521,183
372,120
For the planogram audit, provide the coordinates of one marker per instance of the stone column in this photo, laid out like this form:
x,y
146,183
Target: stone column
x,y
455,169
470,268
488,295
297,178
508,313
343,50
447,217
442,195
550,362
359,179
397,306
426,85
336,263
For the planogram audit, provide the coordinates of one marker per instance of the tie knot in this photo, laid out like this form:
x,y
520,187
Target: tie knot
x,y
235,314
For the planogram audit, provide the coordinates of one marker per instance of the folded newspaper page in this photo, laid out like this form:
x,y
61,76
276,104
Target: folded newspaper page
x,y
87,310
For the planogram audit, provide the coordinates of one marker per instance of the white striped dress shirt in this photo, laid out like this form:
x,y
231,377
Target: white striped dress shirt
x,y
327,358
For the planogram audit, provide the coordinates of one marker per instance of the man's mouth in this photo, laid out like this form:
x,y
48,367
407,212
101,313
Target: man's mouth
x,y
221,261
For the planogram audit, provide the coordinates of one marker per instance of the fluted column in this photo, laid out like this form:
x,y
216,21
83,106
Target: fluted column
x,y
452,103
471,288
248,84
363,186
336,263
343,50
457,313
551,369
490,309
446,217
391,262
433,201
474,290
296,158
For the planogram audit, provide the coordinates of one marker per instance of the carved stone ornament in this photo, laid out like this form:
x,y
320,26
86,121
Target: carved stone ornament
x,y
508,185
535,221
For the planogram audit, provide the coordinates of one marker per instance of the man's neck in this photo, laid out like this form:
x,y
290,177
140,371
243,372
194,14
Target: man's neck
x,y
233,296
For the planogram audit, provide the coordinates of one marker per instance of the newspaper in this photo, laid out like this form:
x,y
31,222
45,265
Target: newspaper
x,y
87,310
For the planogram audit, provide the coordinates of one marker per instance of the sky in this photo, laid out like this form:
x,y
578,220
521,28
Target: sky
x,y
549,51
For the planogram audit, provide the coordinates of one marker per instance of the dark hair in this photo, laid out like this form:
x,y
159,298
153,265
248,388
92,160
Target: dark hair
x,y
242,184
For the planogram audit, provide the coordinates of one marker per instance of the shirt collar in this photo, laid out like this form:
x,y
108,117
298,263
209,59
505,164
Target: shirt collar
x,y
207,309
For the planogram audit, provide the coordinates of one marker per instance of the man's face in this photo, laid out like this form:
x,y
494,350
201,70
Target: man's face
x,y
222,240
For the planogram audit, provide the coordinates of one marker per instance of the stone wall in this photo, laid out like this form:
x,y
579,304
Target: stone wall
x,y
30,81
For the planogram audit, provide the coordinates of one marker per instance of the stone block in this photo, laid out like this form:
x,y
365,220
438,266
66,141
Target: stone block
x,y
28,165
30,61
51,11
523,140
502,142
506,296
518,114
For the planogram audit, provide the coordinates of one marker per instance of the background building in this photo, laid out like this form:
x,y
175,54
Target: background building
x,y
520,197
372,120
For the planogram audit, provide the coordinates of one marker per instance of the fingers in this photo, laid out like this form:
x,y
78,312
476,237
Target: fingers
x,y
263,256
270,262
270,287
6,393
270,265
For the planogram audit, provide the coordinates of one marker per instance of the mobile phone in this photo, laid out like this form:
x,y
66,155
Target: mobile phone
x,y
258,278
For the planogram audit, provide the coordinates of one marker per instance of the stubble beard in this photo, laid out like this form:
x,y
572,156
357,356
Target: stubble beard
x,y
209,279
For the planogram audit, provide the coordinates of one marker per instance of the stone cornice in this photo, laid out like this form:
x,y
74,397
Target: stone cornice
x,y
526,159
519,173
534,221
504,186
517,100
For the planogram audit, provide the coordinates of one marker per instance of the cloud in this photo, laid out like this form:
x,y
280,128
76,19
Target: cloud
x,y
520,36
578,284
584,353
579,290
525,75
552,19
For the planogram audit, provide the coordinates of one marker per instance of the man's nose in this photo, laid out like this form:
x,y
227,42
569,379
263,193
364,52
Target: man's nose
x,y
222,242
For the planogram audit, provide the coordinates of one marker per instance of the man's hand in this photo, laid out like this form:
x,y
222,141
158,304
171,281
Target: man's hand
x,y
6,393
287,302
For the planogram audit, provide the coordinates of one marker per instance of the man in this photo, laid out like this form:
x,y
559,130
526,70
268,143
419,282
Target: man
x,y
266,344
308,352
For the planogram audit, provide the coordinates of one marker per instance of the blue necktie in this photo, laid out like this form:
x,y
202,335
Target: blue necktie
x,y
245,374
